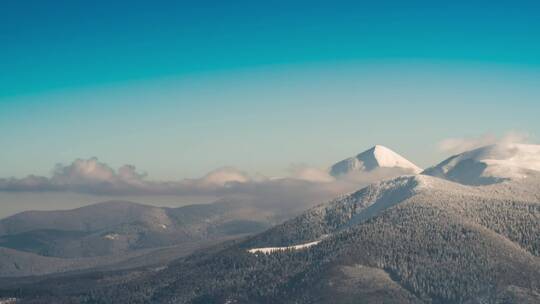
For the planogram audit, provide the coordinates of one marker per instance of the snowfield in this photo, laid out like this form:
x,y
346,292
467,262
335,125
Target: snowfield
x,y
268,250
490,164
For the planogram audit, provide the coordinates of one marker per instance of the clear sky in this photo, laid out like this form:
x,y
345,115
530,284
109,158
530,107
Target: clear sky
x,y
180,88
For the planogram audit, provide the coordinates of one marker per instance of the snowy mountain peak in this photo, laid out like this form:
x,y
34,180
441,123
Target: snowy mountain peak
x,y
376,157
490,164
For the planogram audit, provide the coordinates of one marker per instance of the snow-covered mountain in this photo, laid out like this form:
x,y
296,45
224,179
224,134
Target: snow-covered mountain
x,y
490,164
411,239
374,158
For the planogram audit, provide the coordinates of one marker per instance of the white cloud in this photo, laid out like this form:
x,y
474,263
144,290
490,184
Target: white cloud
x,y
303,172
304,187
224,176
95,177
459,145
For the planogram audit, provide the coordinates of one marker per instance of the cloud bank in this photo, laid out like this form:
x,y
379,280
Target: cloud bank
x,y
304,186
95,177
459,145
304,183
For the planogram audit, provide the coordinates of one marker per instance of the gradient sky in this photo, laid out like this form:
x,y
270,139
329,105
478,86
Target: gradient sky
x,y
180,88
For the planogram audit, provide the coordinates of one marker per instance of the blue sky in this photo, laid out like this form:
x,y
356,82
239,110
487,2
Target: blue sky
x,y
180,88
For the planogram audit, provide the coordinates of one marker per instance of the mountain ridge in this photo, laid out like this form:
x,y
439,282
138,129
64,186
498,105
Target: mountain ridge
x,y
411,239
442,242
490,164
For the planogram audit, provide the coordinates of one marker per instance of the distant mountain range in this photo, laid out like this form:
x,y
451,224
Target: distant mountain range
x,y
108,233
464,231
39,242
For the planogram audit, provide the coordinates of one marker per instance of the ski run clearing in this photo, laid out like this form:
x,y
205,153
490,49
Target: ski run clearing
x,y
268,250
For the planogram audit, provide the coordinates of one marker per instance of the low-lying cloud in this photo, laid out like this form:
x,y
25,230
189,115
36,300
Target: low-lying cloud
x,y
304,187
95,177
303,172
459,145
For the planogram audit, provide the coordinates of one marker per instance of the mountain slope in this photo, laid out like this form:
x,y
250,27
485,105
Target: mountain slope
x,y
15,263
440,242
54,241
414,239
374,158
411,239
85,219
490,164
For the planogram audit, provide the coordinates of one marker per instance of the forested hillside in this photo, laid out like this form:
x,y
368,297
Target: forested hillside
x,y
432,241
